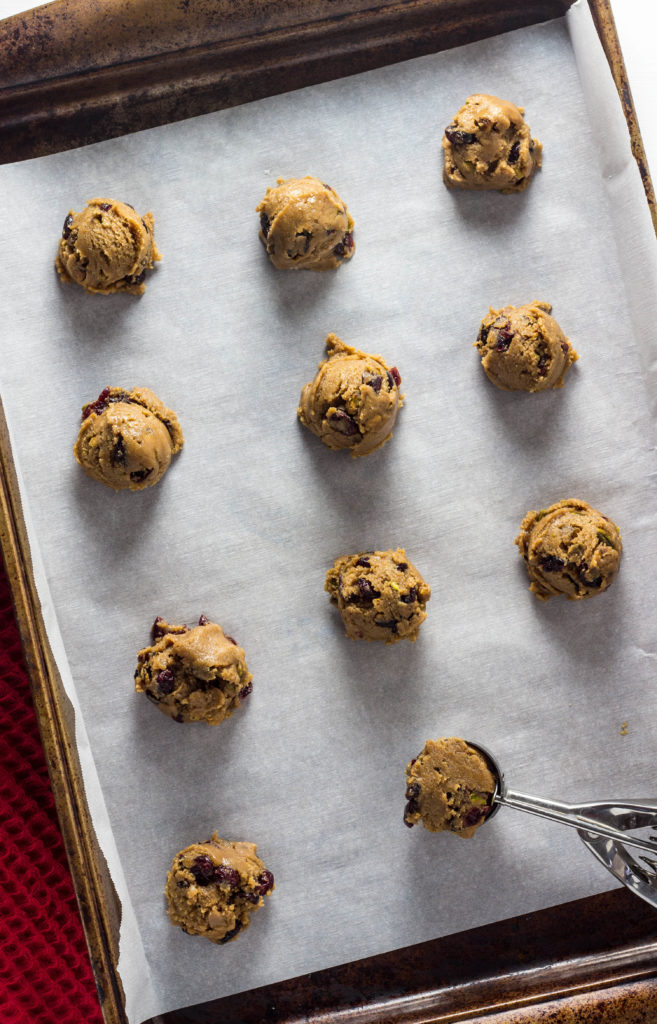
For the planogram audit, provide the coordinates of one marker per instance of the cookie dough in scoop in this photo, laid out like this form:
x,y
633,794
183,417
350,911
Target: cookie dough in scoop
x,y
213,887
379,595
353,401
570,549
449,788
107,248
193,675
523,348
304,225
127,439
488,145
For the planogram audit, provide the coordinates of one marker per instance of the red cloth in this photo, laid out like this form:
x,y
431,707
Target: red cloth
x,y
45,971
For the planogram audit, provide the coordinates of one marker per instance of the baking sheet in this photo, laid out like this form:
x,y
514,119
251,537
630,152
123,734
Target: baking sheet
x,y
254,511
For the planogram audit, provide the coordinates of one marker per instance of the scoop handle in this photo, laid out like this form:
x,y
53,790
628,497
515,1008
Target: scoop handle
x,y
568,814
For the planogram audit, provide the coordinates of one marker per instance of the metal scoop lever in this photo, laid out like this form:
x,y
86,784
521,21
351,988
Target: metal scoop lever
x,y
605,827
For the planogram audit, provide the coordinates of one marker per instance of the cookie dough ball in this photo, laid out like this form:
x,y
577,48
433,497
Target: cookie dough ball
x,y
379,595
193,675
353,401
570,549
127,439
304,225
449,788
523,348
107,248
213,888
488,146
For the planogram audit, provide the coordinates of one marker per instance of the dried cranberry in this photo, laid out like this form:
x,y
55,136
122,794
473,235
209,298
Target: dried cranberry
x,y
229,876
139,475
344,423
483,334
458,137
504,338
138,278
307,235
202,869
101,403
367,591
402,566
68,224
156,629
203,620
265,224
411,808
410,597
245,691
345,246
231,934
117,455
265,882
231,639
365,562
394,377
514,153
543,364
165,681
373,380
550,563
412,790
475,815
391,625
565,347
107,206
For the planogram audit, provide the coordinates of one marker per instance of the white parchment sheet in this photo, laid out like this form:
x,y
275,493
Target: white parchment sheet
x,y
253,512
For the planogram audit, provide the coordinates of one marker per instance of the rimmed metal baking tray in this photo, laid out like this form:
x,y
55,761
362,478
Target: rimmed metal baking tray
x,y
75,72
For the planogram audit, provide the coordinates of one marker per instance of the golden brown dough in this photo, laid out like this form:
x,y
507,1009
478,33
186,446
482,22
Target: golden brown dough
x,y
213,887
193,675
304,225
127,439
449,788
488,145
570,549
379,595
353,401
107,248
523,348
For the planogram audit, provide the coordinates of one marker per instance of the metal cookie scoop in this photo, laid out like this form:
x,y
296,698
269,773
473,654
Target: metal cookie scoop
x,y
603,827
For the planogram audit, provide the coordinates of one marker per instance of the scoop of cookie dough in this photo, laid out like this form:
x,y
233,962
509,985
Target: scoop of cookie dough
x,y
304,225
523,348
570,549
449,788
107,247
353,400
213,887
127,439
193,675
488,145
379,595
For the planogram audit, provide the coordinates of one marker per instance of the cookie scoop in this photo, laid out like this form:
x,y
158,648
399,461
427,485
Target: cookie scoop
x,y
523,348
304,225
379,594
213,887
449,788
353,401
570,549
193,675
127,439
488,146
107,248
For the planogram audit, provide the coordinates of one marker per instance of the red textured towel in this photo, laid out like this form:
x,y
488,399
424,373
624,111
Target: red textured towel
x,y
45,972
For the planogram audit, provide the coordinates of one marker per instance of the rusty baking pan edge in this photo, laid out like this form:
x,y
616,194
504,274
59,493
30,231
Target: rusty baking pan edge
x,y
141,79
95,894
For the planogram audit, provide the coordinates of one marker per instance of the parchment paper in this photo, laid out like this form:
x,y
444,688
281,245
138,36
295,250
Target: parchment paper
x,y
254,511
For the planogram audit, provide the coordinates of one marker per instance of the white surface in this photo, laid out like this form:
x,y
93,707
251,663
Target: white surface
x,y
252,513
